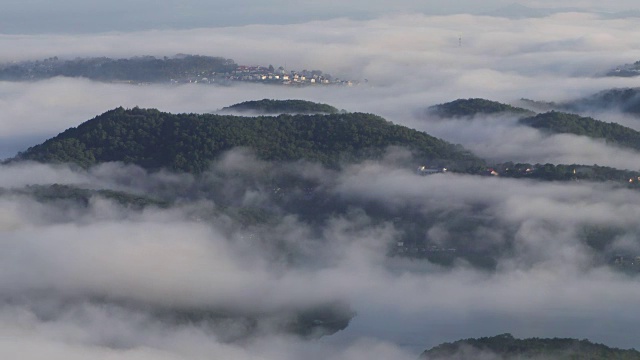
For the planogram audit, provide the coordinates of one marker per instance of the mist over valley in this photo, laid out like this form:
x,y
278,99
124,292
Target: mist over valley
x,y
480,176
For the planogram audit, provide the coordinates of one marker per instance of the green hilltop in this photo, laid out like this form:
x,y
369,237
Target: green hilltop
x,y
189,142
138,69
506,347
473,107
626,100
565,123
270,107
553,121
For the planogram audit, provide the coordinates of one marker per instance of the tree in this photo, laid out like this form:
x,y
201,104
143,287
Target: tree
x,y
189,142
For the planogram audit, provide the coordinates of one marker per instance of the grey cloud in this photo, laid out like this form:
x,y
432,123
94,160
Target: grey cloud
x,y
163,258
104,268
501,139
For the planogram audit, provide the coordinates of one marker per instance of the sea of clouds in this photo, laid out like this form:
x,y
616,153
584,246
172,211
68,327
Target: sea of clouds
x,y
78,282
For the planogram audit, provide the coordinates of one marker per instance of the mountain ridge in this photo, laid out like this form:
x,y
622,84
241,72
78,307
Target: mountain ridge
x,y
189,142
506,347
276,107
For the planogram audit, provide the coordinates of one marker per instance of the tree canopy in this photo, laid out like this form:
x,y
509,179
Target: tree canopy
x,y
505,346
559,122
269,107
626,100
140,69
472,107
189,142
565,172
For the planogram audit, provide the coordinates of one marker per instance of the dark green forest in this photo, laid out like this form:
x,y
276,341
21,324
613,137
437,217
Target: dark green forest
x,y
559,122
139,69
189,142
507,347
564,172
270,107
554,121
472,107
626,100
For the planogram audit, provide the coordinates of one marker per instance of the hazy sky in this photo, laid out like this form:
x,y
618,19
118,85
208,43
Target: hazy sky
x,y
74,16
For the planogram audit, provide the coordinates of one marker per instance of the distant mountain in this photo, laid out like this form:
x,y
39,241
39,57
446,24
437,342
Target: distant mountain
x,y
473,107
627,70
275,107
539,106
138,69
565,123
626,100
189,142
555,121
506,347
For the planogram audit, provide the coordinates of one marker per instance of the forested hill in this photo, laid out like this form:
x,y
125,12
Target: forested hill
x,y
274,107
189,142
506,347
552,121
472,107
559,122
626,100
139,69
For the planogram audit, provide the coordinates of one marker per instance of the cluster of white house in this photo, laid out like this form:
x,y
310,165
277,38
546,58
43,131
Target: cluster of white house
x,y
281,76
424,170
267,75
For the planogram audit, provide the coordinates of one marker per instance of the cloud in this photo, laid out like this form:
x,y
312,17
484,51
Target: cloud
x,y
104,272
501,139
80,280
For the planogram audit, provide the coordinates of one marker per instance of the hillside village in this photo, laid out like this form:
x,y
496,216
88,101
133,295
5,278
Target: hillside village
x,y
266,75
180,69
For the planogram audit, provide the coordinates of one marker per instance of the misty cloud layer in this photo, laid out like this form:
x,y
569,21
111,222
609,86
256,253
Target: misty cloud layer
x,y
89,280
78,282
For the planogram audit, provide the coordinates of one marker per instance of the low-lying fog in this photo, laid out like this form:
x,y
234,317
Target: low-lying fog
x,y
87,282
